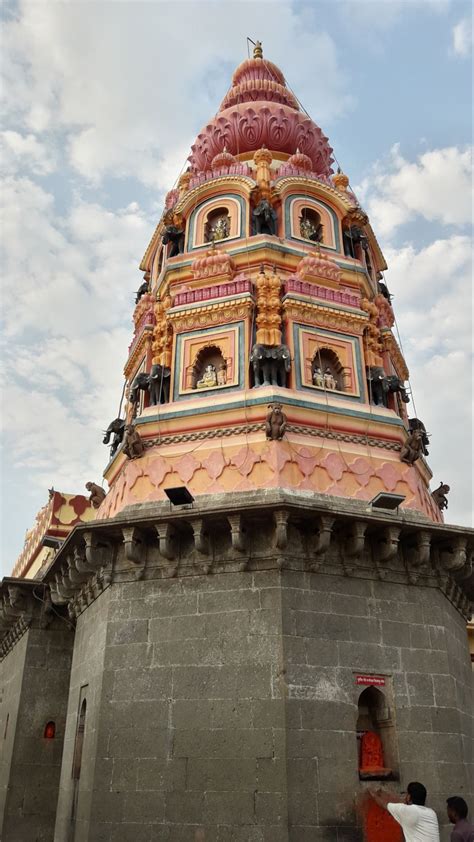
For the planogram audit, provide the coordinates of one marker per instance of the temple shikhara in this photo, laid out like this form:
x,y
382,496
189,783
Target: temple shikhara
x,y
262,614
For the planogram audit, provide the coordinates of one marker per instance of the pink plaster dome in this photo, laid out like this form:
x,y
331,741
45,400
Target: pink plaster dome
x,y
300,161
259,110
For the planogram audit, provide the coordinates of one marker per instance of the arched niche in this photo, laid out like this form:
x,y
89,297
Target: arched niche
x,y
299,208
209,369
327,372
310,225
376,735
207,216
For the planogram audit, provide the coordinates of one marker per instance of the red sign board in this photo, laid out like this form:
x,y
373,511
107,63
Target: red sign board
x,y
377,680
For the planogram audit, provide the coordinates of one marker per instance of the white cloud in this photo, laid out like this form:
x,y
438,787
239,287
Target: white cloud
x,y
462,38
431,288
109,78
437,186
20,152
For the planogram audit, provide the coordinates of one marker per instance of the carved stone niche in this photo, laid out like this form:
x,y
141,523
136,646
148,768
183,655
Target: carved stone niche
x,y
376,728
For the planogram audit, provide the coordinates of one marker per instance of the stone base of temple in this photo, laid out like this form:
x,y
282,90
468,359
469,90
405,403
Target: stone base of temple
x,y
227,656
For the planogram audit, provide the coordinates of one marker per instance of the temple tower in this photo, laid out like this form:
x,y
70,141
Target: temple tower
x,y
263,288
269,611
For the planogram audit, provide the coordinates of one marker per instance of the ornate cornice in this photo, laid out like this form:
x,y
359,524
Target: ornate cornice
x,y
318,315
390,344
138,350
214,313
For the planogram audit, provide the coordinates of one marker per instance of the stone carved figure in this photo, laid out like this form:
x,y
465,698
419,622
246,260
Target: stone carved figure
x,y
416,424
159,384
133,446
141,383
394,384
275,424
413,447
175,236
208,379
377,384
222,375
220,230
383,289
329,379
264,218
439,496
142,289
117,427
311,231
97,494
353,237
318,378
271,364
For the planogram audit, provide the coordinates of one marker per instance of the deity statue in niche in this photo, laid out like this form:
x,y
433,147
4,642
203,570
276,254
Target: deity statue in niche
x,y
208,379
318,378
217,226
222,375
371,757
310,226
329,379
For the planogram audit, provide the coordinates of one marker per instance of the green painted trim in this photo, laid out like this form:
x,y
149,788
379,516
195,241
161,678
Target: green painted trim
x,y
256,401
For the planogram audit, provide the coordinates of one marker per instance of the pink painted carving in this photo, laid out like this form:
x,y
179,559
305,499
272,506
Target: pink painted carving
x,y
318,265
334,466
305,461
244,460
389,476
295,284
237,287
213,264
386,314
186,467
157,470
171,198
214,464
276,456
362,470
278,127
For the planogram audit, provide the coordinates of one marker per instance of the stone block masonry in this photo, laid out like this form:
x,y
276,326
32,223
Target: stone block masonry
x,y
213,689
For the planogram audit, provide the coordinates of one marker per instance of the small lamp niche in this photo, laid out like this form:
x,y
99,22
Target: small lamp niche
x,y
49,730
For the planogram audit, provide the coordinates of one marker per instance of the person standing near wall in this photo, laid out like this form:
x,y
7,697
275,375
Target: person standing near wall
x,y
419,823
463,831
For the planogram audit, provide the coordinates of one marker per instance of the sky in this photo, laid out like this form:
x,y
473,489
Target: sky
x,y
101,103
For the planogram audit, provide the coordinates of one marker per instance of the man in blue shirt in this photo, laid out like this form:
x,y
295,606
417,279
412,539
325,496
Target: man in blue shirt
x,y
463,830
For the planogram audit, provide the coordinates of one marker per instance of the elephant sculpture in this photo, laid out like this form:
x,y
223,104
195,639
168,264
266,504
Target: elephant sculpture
x,y
175,236
416,424
378,385
117,427
381,384
141,383
352,237
270,364
264,218
159,384
142,289
395,385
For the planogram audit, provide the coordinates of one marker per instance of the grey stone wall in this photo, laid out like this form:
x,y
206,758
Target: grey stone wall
x,y
37,682
224,707
75,798
335,627
11,677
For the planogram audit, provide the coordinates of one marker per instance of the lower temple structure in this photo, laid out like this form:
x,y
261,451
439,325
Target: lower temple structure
x,y
264,615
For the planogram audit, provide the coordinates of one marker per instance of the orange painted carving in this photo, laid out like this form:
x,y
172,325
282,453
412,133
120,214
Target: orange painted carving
x,y
379,826
371,753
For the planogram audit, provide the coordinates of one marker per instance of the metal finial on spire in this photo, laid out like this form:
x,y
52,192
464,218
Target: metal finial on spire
x,y
257,50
